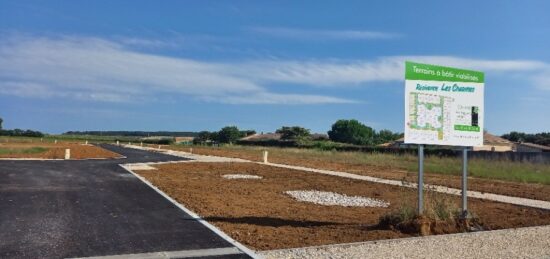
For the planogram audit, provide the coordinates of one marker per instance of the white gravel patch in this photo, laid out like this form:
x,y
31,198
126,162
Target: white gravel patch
x,y
241,176
438,188
532,242
335,199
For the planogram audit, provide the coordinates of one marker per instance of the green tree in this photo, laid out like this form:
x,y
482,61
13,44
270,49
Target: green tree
x,y
229,134
385,136
352,132
203,137
294,132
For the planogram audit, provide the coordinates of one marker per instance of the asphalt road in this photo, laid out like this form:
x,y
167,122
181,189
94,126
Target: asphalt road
x,y
59,209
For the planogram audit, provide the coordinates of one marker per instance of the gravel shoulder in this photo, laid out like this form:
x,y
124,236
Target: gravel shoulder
x,y
533,242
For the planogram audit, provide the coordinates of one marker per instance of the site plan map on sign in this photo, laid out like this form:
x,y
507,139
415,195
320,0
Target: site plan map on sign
x,y
430,112
443,106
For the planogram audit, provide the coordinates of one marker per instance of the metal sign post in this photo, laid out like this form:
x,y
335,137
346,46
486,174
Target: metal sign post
x,y
465,182
420,179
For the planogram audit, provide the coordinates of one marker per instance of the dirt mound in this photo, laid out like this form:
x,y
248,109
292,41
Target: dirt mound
x,y
425,226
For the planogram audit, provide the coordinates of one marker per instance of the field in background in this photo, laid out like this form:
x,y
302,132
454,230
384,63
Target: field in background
x,y
18,147
70,138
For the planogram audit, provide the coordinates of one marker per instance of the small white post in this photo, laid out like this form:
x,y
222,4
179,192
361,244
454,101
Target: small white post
x,y
129,143
67,153
86,142
141,144
41,140
265,156
55,141
159,146
118,143
191,150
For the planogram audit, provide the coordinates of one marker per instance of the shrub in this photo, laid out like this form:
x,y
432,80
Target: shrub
x,y
352,132
160,141
229,134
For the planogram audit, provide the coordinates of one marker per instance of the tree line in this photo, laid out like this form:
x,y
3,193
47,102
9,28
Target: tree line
x,y
19,132
542,138
342,131
134,133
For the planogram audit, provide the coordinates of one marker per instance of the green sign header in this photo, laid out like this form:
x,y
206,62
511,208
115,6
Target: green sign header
x,y
417,71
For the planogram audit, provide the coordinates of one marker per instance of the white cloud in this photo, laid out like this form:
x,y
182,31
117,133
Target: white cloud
x,y
97,69
311,34
342,73
271,98
542,81
101,70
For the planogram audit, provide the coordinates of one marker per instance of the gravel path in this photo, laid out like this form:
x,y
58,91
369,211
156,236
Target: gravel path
x,y
336,199
533,242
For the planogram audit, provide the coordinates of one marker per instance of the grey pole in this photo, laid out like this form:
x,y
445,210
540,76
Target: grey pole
x,y
420,179
465,182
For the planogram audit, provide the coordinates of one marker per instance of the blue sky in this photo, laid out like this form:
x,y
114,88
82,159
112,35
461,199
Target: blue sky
x,y
182,65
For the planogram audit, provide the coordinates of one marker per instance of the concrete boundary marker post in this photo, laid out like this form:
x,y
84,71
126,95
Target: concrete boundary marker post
x,y
67,153
55,141
118,143
141,144
265,156
191,150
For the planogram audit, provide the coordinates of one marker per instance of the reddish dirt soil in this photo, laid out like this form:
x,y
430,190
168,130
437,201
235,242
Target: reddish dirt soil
x,y
525,190
57,151
259,214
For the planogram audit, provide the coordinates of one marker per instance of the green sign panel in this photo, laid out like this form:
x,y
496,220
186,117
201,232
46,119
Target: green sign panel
x,y
417,71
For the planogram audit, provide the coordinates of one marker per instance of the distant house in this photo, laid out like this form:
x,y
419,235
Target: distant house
x,y
184,140
277,136
530,147
262,137
490,143
495,144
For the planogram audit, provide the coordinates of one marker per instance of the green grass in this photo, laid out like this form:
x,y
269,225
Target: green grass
x,y
489,169
14,151
71,138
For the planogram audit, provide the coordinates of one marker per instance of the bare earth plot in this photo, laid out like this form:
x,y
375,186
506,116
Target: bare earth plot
x,y
525,190
258,212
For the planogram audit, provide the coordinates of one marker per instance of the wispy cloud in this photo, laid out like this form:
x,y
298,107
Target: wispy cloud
x,y
327,73
96,69
272,98
314,34
101,70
